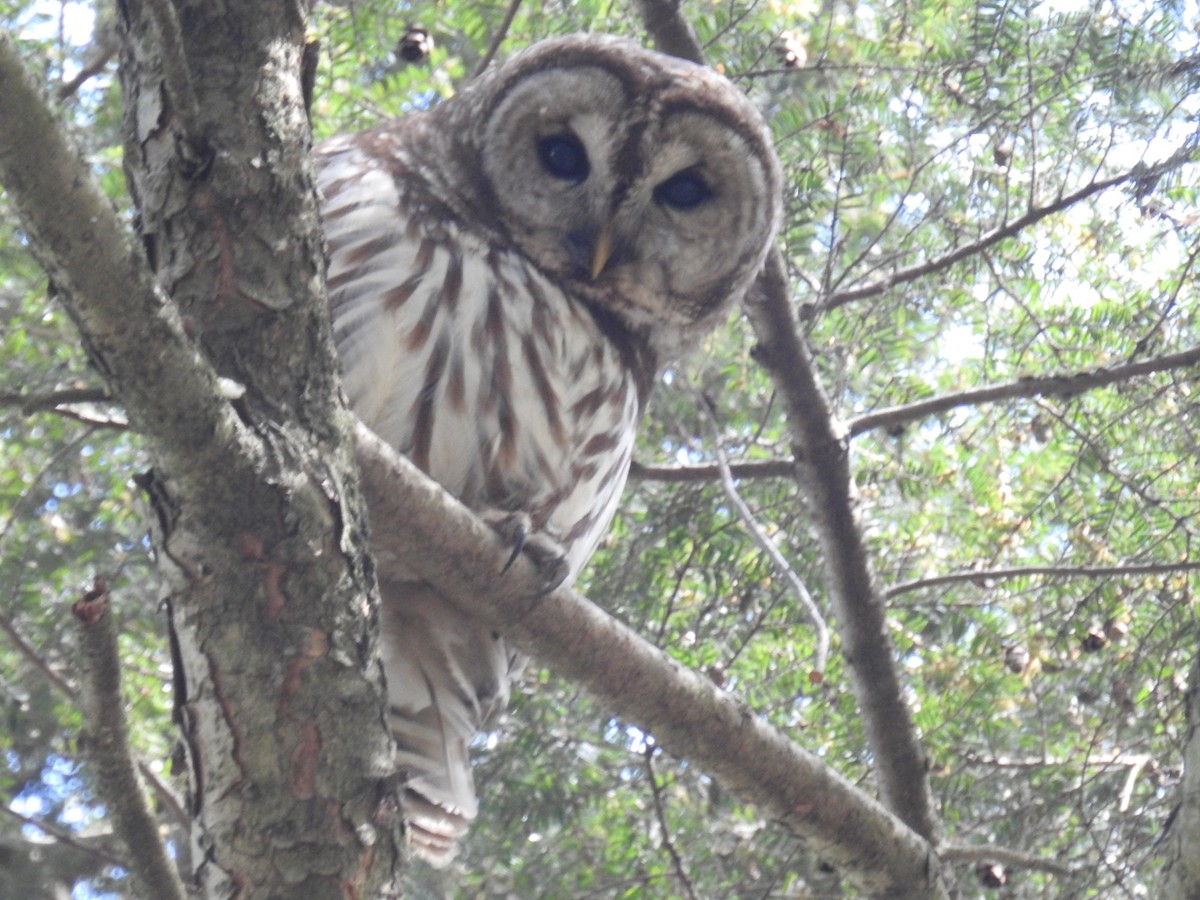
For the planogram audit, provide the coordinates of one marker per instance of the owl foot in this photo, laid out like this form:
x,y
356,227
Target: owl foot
x,y
516,530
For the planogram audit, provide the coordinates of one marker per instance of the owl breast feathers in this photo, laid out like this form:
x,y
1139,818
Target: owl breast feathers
x,y
508,273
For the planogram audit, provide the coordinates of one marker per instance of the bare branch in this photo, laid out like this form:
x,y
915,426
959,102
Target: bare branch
x,y
771,468
417,526
660,813
35,659
823,467
62,403
993,237
1034,386
31,403
982,575
497,38
110,753
93,68
88,846
764,542
1005,855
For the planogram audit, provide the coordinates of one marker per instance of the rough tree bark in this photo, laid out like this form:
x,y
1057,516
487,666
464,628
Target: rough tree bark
x,y
279,695
261,528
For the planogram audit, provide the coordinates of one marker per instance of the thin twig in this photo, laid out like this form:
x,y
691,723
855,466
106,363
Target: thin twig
x,y
1034,386
26,649
979,575
660,813
66,837
1005,855
498,38
995,236
743,471
764,542
16,508
109,751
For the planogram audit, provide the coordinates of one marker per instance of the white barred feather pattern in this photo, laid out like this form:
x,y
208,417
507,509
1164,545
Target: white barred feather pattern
x,y
504,391
506,275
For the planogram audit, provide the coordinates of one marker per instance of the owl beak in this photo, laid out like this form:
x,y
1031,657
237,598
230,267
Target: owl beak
x,y
602,250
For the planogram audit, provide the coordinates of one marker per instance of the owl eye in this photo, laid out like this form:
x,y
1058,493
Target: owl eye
x,y
683,190
564,157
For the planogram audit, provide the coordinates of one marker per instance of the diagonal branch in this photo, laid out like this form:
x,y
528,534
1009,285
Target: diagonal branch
x,y
1034,386
760,537
1050,572
995,236
417,526
498,38
823,470
172,394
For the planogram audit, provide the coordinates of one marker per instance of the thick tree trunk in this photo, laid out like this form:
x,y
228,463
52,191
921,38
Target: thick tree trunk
x,y
279,692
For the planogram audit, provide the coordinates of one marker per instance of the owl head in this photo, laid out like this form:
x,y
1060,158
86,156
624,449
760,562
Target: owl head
x,y
644,185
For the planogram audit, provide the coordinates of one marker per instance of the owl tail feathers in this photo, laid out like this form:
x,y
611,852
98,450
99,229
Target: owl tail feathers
x,y
433,831
446,673
438,800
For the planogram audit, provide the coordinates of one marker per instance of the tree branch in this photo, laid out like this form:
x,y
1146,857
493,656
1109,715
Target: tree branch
x,y
823,470
31,403
164,792
894,417
417,526
109,751
660,813
498,38
701,474
823,465
171,395
993,237
672,33
981,575
782,567
90,846
1007,856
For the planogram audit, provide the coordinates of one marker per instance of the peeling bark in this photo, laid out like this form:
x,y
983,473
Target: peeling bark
x,y
260,525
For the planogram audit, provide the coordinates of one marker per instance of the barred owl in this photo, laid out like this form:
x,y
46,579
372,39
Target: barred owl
x,y
509,272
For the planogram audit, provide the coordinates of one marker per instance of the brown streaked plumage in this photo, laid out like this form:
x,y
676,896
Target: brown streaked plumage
x,y
508,273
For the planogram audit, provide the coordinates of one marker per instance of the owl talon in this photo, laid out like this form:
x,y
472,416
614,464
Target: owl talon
x,y
516,530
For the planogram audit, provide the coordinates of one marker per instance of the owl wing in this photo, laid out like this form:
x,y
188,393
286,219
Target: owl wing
x,y
460,354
